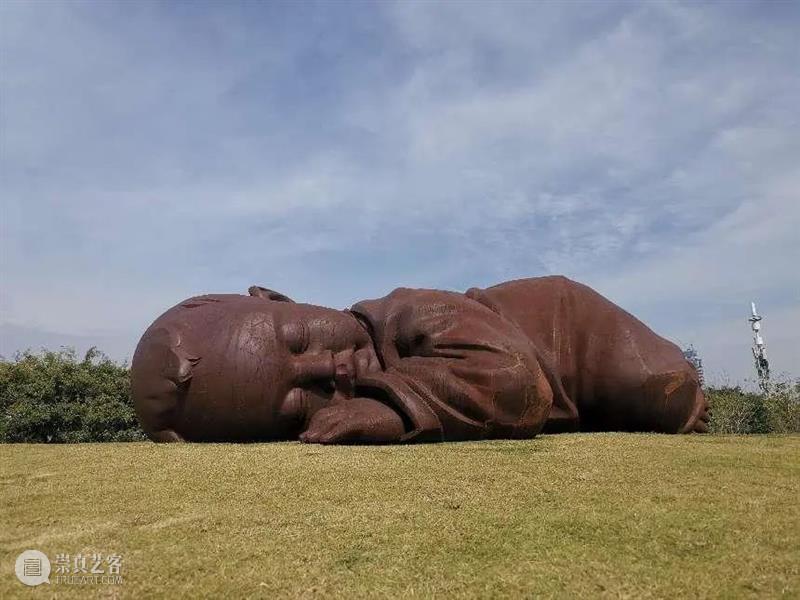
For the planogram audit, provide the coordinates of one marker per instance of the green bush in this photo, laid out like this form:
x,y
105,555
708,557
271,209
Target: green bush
x,y
783,407
734,410
54,397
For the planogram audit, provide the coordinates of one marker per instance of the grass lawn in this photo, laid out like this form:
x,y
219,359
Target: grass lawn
x,y
579,515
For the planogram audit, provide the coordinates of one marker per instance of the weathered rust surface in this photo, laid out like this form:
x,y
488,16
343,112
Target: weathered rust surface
x,y
540,354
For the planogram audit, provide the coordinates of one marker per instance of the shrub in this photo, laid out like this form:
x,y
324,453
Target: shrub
x,y
783,407
734,410
54,397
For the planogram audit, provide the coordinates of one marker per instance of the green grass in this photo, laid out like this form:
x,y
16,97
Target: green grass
x,y
603,515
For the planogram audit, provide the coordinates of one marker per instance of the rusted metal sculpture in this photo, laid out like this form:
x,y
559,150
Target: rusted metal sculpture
x,y
542,354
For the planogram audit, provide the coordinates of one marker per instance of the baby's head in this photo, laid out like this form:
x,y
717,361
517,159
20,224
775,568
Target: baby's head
x,y
229,367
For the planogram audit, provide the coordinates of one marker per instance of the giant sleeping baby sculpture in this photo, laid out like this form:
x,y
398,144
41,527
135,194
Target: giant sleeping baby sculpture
x,y
535,355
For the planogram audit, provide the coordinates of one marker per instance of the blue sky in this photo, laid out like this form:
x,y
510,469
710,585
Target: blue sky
x,y
336,150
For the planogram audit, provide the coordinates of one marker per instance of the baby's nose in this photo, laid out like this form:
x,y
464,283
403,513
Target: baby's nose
x,y
312,367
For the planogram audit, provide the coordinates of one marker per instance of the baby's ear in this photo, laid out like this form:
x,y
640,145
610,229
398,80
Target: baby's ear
x,y
262,292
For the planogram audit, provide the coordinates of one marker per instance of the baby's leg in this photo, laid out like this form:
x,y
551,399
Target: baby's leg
x,y
641,382
674,403
666,402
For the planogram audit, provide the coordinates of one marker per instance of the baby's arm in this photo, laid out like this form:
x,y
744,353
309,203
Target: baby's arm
x,y
354,421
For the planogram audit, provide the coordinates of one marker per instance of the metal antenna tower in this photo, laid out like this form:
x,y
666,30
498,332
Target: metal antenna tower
x,y
759,349
691,355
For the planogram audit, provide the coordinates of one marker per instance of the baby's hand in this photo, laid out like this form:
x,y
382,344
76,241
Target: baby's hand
x,y
360,420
